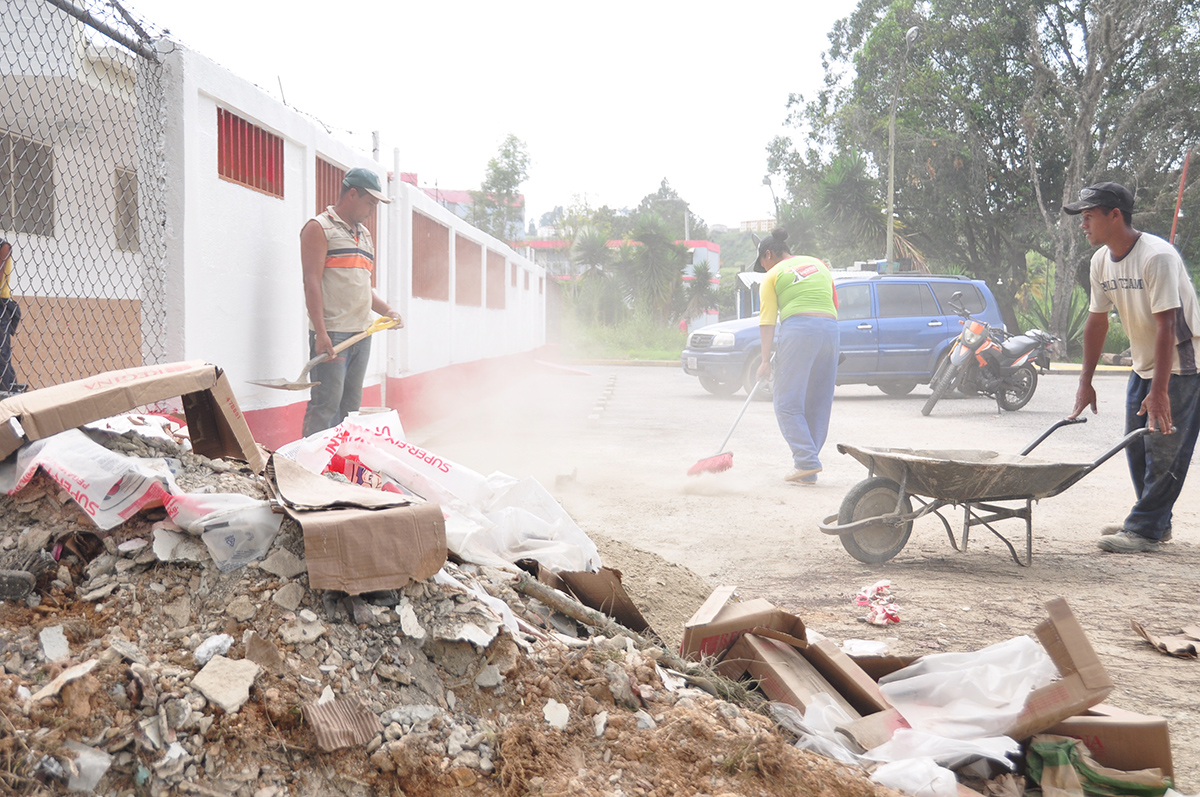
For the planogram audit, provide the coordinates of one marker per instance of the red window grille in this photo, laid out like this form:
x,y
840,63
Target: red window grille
x,y
329,188
431,259
495,280
526,280
514,275
468,272
248,155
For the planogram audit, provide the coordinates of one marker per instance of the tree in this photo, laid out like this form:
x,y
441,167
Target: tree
x,y
497,206
700,296
653,268
1005,110
671,208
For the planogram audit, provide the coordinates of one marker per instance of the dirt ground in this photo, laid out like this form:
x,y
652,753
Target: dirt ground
x,y
613,443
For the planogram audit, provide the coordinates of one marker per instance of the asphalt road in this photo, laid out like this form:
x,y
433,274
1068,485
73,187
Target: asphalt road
x,y
613,443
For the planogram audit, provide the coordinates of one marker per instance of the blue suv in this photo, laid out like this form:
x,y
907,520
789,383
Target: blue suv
x,y
894,330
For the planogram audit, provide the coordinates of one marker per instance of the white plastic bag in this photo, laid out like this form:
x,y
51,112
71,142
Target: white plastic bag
x,y
239,536
920,777
969,695
814,728
949,753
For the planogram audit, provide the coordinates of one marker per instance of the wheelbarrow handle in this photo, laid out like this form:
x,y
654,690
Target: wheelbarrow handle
x,y
1128,439
1052,430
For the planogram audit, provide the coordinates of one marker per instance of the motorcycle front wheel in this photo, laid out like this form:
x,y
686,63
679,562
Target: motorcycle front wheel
x,y
942,380
1018,389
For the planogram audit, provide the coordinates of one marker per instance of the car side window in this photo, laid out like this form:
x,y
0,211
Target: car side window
x,y
854,301
971,299
904,300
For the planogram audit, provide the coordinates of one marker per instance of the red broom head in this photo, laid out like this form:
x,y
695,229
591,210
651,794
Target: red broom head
x,y
715,464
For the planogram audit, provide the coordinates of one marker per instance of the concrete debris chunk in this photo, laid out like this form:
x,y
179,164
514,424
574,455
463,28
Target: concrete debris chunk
x,y
289,596
217,645
556,714
54,643
89,766
300,631
263,653
241,608
489,677
226,683
65,677
409,624
284,563
171,546
128,651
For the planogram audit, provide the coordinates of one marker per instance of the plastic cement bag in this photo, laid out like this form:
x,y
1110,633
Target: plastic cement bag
x,y
969,695
949,753
920,777
236,529
493,521
814,729
109,487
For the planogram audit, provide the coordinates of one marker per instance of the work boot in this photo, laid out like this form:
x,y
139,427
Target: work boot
x,y
806,477
1127,542
1116,528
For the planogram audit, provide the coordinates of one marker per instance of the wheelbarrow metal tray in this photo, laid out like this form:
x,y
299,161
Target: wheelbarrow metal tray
x,y
960,476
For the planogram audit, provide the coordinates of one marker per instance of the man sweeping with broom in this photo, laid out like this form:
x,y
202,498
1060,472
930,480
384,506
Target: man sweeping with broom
x,y
799,291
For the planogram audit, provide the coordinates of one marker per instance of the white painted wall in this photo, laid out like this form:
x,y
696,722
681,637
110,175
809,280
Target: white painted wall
x,y
237,252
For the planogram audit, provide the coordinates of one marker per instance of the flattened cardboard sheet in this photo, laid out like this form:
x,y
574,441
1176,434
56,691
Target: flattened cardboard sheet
x,y
344,722
365,550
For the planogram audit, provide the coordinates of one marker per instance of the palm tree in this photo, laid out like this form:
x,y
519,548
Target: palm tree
x,y
847,199
659,263
701,296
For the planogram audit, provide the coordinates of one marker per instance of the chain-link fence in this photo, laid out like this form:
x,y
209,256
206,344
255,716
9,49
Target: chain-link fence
x,y
82,183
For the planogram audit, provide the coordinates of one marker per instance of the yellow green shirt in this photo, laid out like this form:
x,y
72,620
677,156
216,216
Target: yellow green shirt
x,y
795,285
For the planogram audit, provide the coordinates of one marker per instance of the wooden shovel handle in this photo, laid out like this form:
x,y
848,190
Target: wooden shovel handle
x,y
378,325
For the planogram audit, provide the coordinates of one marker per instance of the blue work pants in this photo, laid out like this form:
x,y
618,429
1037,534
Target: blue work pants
x,y
806,357
1158,463
340,391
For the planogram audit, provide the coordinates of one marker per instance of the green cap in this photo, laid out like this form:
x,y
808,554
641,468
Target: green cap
x,y
365,180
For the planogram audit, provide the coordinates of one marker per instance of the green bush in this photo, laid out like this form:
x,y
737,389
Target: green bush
x,y
635,338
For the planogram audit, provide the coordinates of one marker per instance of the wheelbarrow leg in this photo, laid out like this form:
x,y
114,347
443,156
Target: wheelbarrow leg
x,y
970,518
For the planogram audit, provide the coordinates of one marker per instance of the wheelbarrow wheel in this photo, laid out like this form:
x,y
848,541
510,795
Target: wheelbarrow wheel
x,y
877,542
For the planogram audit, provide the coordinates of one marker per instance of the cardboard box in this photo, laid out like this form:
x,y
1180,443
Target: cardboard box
x,y
843,673
1083,684
602,591
1121,739
356,539
215,422
718,624
781,672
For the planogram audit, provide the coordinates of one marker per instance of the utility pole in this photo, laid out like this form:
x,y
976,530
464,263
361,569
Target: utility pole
x,y
909,38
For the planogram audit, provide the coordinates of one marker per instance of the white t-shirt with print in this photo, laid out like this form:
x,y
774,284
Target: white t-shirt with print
x,y
1148,280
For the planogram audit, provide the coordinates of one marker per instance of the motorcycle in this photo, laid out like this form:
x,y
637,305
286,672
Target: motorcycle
x,y
991,362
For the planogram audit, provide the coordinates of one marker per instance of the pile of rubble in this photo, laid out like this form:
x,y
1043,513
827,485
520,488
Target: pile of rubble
x,y
128,670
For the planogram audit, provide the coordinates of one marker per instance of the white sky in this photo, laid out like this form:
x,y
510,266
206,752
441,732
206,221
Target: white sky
x,y
609,97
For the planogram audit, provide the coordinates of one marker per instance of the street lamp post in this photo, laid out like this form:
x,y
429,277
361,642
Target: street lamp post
x,y
767,182
909,37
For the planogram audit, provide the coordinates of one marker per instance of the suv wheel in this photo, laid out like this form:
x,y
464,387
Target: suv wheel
x,y
897,388
718,388
751,378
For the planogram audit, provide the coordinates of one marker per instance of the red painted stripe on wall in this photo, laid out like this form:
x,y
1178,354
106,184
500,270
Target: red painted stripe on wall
x,y
419,399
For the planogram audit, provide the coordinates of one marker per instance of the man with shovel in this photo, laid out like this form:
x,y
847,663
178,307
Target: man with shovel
x,y
338,259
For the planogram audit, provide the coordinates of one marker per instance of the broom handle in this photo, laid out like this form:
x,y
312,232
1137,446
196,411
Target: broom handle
x,y
745,404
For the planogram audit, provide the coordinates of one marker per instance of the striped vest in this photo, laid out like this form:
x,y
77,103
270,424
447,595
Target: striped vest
x,y
346,280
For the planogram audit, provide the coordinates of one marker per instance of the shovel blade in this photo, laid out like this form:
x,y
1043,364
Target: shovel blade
x,y
283,384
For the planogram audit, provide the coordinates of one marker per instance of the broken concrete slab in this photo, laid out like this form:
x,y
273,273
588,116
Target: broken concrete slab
x,y
284,564
226,682
289,596
65,677
54,643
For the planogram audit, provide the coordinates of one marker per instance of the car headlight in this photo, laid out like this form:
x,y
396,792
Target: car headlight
x,y
722,340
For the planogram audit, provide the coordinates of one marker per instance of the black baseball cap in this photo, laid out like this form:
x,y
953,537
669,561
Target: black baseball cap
x,y
1102,195
365,180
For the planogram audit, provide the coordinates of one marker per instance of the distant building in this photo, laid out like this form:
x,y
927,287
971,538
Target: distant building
x,y
758,225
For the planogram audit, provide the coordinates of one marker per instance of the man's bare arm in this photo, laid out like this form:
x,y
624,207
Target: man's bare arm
x,y
1157,404
1095,330
312,259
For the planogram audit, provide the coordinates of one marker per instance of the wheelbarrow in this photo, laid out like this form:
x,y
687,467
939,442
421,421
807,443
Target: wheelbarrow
x,y
876,516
